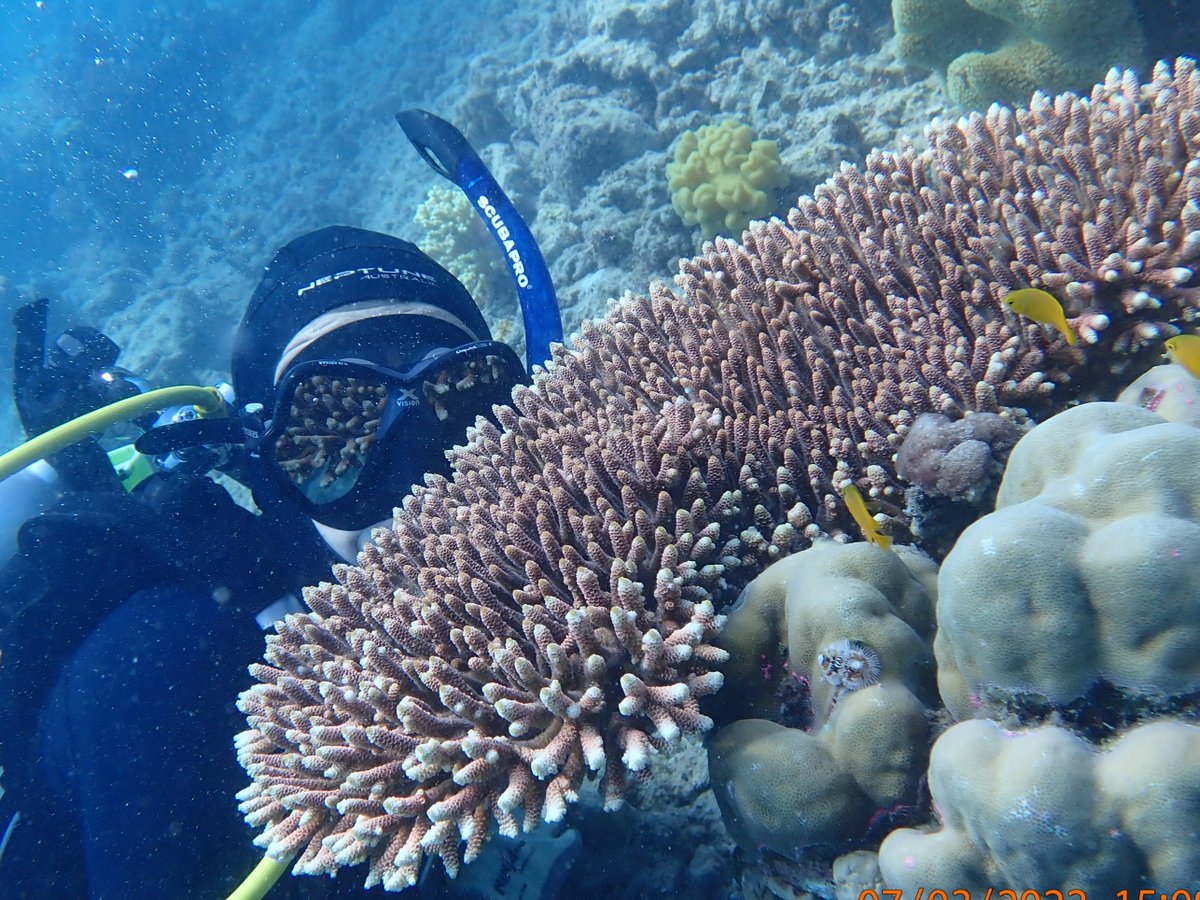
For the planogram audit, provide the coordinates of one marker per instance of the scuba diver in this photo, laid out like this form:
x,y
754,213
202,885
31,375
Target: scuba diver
x,y
140,592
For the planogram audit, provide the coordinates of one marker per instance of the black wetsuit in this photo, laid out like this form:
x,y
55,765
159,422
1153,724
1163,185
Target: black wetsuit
x,y
126,626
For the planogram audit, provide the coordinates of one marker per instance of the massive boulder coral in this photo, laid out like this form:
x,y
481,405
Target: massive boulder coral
x,y
549,612
1005,50
1043,807
1087,572
1171,391
1077,601
835,639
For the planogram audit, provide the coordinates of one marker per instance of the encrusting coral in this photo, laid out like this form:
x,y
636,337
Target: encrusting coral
x,y
955,458
550,612
954,468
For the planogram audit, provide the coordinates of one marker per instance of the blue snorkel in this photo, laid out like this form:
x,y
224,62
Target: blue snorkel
x,y
448,153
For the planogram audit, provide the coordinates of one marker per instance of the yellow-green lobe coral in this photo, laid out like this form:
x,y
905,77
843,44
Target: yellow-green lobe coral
x,y
1089,568
1004,50
1044,807
721,178
785,788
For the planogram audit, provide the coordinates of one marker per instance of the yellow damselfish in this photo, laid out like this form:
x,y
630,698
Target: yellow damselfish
x,y
858,509
1043,308
1184,349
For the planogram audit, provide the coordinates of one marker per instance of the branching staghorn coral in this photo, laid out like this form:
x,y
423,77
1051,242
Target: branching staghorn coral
x,y
549,612
1096,201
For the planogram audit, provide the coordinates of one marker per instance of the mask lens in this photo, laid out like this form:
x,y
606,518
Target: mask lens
x,y
354,438
332,427
477,374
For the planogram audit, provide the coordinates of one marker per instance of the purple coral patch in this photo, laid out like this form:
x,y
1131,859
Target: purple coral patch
x,y
956,459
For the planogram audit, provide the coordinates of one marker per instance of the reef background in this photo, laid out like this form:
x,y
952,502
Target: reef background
x,y
248,124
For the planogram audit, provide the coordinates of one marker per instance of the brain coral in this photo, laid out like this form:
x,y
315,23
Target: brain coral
x,y
548,613
1044,808
721,178
1089,568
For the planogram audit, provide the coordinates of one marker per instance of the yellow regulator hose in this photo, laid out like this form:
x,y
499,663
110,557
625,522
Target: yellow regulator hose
x,y
262,879
206,400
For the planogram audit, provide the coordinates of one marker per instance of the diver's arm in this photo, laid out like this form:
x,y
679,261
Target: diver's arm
x,y
29,363
43,400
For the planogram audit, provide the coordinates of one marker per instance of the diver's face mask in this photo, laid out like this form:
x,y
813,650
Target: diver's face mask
x,y
347,439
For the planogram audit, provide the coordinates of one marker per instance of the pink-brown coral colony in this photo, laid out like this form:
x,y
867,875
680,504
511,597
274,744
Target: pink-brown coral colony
x,y
549,612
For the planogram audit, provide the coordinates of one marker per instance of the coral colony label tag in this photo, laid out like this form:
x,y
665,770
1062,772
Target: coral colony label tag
x,y
369,273
502,232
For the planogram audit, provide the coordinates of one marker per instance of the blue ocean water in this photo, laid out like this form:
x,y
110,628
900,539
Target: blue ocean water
x,y
154,157
93,95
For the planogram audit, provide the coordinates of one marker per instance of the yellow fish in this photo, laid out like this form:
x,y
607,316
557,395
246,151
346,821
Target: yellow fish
x,y
1036,304
865,521
1184,349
